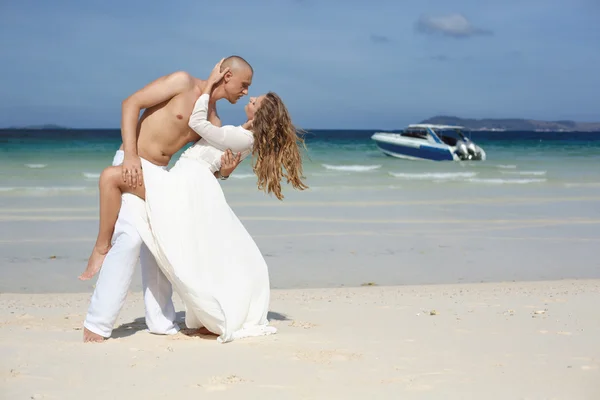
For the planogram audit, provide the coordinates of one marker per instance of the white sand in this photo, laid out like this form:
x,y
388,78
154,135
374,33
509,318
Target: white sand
x,y
486,341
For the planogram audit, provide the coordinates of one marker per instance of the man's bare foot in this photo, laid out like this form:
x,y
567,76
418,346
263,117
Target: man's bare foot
x,y
89,336
94,263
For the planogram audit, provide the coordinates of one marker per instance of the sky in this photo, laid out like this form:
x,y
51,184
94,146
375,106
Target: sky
x,y
338,64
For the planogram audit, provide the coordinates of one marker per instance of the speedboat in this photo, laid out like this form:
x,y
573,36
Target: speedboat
x,y
429,142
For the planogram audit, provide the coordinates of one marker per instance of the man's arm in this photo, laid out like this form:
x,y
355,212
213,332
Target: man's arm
x,y
156,92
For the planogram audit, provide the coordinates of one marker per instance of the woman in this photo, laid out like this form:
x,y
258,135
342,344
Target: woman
x,y
197,240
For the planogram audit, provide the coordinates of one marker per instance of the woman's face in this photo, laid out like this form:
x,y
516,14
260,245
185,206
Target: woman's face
x,y
253,105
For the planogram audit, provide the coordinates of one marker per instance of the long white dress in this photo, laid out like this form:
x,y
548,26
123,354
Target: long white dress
x,y
198,241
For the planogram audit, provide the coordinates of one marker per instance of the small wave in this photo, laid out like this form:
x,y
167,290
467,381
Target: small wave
x,y
91,175
36,165
583,184
497,181
525,173
352,168
242,176
337,188
326,174
506,166
41,190
434,175
57,188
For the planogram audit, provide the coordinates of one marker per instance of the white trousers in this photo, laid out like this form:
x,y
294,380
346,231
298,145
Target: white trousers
x,y
116,275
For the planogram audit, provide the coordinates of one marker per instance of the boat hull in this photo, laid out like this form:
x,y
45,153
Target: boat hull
x,y
412,150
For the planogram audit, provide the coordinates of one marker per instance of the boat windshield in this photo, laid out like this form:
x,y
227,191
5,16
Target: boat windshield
x,y
417,133
450,135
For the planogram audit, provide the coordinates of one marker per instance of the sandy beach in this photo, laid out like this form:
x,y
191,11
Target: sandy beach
x,y
412,294
537,340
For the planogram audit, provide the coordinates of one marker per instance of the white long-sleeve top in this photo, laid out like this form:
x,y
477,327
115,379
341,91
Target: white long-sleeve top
x,y
215,140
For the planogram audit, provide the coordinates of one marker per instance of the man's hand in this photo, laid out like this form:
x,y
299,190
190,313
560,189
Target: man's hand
x,y
248,125
229,162
132,170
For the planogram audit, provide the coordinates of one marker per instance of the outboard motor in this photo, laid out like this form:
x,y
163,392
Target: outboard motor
x,y
462,150
467,150
472,148
475,151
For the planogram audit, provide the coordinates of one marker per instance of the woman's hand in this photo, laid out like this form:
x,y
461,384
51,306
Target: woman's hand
x,y
216,74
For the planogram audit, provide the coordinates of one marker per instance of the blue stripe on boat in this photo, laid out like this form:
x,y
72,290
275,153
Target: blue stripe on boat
x,y
424,151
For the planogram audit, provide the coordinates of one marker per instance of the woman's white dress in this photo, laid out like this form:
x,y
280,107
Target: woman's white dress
x,y
198,241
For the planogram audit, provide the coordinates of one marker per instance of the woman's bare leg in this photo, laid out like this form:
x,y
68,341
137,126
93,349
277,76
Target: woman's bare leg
x,y
111,187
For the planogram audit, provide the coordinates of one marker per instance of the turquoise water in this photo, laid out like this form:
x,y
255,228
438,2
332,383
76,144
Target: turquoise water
x,y
58,162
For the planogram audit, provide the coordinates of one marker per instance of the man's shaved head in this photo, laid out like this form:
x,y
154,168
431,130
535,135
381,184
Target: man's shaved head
x,y
238,79
236,63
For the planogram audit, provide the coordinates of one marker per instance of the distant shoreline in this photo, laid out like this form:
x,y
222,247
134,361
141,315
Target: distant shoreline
x,y
515,124
474,125
312,130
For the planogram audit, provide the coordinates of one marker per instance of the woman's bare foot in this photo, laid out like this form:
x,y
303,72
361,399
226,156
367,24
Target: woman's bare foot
x,y
94,263
89,336
204,331
192,332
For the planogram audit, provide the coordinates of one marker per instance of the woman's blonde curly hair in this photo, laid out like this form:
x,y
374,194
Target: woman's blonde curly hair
x,y
276,147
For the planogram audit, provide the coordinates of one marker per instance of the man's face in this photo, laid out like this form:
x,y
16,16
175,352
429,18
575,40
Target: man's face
x,y
237,83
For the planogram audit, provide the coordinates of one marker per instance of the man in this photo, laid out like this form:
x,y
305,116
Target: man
x,y
161,132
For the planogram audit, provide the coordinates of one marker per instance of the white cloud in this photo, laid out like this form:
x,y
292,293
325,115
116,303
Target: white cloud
x,y
379,39
454,25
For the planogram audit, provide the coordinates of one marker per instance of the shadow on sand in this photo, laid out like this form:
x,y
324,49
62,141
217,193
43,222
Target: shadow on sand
x,y
139,324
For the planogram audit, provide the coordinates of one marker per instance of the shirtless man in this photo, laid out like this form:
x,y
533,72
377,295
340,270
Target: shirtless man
x,y
161,132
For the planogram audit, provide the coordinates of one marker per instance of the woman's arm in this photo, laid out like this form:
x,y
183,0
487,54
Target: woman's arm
x,y
231,137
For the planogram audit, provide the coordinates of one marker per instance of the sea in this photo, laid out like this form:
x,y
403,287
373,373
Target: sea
x,y
528,212
61,162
